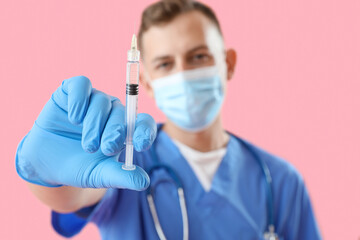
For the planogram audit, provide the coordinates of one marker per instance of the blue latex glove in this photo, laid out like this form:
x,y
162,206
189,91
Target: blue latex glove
x,y
77,139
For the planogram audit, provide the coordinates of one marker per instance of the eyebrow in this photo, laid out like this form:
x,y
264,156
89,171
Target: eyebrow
x,y
198,48
160,58
190,51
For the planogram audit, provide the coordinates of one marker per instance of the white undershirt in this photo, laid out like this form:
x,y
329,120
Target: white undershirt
x,y
204,164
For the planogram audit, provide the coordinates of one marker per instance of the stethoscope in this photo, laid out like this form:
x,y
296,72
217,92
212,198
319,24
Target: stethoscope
x,y
268,235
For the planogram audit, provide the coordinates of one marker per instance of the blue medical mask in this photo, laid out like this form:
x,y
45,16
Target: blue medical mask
x,y
190,99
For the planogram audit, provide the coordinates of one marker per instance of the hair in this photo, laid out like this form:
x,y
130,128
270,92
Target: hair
x,y
165,11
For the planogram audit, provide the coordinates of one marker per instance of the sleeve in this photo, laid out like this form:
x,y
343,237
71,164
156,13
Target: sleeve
x,y
70,224
308,228
300,222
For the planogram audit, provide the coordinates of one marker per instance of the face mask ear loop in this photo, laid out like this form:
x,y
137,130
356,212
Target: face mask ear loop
x,y
223,73
148,79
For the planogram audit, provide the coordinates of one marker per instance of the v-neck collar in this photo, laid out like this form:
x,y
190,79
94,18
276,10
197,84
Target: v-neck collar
x,y
169,154
223,176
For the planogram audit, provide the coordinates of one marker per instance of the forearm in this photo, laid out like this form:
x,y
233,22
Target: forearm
x,y
67,199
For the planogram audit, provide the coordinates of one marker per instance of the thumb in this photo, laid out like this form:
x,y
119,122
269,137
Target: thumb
x,y
110,174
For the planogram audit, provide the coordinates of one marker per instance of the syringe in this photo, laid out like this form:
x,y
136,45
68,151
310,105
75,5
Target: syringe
x,y
132,89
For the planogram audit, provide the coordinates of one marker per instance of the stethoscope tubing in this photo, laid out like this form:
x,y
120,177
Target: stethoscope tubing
x,y
264,168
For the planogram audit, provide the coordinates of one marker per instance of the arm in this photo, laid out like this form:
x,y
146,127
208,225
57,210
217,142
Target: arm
x,y
67,199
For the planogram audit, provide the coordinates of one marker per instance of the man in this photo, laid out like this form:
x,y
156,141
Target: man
x,y
70,156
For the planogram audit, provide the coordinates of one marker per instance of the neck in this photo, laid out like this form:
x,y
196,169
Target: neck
x,y
211,138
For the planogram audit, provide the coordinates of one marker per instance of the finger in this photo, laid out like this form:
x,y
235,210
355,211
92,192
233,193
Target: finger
x,y
73,97
145,132
95,120
113,137
79,91
110,174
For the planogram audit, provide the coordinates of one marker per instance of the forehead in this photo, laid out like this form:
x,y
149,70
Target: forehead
x,y
178,36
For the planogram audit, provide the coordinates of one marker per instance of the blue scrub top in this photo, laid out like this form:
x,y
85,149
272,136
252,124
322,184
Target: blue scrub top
x,y
234,208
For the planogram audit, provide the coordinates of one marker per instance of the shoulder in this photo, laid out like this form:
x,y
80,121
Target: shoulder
x,y
281,170
293,212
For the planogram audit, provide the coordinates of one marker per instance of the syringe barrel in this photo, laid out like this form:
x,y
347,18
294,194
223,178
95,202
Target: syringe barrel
x,y
130,115
132,72
129,158
132,90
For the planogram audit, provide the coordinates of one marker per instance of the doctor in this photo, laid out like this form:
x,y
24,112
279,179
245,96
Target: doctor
x,y
232,189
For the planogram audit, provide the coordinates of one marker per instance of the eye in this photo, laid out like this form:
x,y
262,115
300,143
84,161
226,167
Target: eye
x,y
163,65
200,58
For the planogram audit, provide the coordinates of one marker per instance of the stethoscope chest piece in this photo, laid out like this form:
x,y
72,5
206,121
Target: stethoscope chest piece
x,y
271,235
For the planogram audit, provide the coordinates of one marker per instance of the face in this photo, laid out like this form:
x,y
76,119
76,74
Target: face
x,y
189,41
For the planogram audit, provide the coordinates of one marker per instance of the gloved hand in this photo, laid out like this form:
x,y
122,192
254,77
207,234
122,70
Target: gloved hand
x,y
77,139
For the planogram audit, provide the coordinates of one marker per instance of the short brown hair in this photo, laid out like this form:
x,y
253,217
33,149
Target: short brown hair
x,y
166,10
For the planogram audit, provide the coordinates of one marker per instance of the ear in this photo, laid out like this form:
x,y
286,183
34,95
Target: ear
x,y
146,84
230,62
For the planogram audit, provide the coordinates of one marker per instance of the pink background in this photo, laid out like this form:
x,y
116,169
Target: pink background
x,y
295,90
